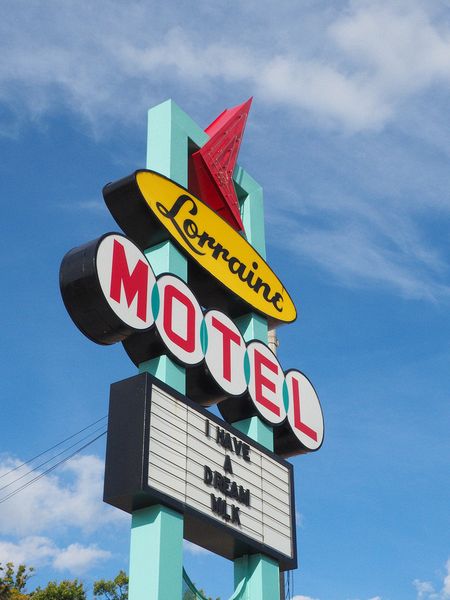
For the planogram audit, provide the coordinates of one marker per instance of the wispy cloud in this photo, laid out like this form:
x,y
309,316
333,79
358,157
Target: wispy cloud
x,y
38,551
322,65
375,598
427,591
78,558
360,243
66,503
103,62
85,206
72,498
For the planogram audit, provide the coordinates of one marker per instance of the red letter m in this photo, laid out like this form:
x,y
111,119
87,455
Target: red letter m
x,y
133,284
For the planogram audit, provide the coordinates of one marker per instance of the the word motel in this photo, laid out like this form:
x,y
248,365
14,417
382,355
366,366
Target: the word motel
x,y
112,294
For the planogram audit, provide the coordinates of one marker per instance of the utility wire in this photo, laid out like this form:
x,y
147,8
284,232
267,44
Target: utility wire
x,y
52,448
51,458
49,470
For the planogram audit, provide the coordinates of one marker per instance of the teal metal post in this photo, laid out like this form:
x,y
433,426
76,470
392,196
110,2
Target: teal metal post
x,y
259,572
157,532
156,545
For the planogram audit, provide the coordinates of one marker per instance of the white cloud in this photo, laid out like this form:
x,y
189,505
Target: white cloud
x,y
104,64
424,588
94,206
300,519
67,502
72,497
32,550
40,551
446,588
327,65
375,598
78,558
324,91
303,598
107,68
427,591
360,244
414,52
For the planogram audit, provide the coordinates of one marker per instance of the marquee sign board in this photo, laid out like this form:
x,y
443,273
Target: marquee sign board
x,y
237,497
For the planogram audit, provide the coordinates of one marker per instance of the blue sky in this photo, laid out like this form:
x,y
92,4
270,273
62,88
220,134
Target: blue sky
x,y
349,136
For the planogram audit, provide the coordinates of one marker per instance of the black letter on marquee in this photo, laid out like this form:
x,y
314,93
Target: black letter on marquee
x,y
246,452
208,476
214,504
235,515
227,465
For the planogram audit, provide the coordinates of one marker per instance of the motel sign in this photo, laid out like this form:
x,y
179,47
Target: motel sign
x,y
185,287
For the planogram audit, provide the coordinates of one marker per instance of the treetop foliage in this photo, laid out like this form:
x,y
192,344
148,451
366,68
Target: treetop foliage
x,y
116,589
66,590
13,583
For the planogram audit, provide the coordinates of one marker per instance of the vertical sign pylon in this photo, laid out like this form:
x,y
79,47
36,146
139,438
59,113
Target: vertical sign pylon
x,y
156,546
157,532
260,573
134,290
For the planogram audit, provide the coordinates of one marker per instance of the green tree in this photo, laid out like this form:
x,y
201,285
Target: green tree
x,y
190,595
13,582
65,590
115,589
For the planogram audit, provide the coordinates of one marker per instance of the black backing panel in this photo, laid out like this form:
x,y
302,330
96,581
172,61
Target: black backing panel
x,y
126,471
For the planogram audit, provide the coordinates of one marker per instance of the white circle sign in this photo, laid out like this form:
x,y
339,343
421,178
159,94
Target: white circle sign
x,y
126,280
266,382
304,413
179,320
225,353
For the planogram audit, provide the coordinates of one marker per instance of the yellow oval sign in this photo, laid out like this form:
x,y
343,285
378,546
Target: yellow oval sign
x,y
216,246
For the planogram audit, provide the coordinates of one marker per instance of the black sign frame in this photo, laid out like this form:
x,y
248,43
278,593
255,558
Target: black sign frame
x,y
126,472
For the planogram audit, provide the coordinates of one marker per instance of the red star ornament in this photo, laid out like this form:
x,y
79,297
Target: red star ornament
x,y
211,168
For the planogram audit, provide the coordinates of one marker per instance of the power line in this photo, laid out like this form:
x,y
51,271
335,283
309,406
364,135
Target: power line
x,y
49,459
52,447
49,470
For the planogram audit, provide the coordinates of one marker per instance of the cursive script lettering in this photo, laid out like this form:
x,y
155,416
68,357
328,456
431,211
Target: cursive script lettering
x,y
199,242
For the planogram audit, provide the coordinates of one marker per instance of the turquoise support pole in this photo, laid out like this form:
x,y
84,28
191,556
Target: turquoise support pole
x,y
156,545
262,575
157,532
258,574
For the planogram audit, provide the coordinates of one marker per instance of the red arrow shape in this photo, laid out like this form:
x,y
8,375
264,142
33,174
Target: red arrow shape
x,y
211,168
